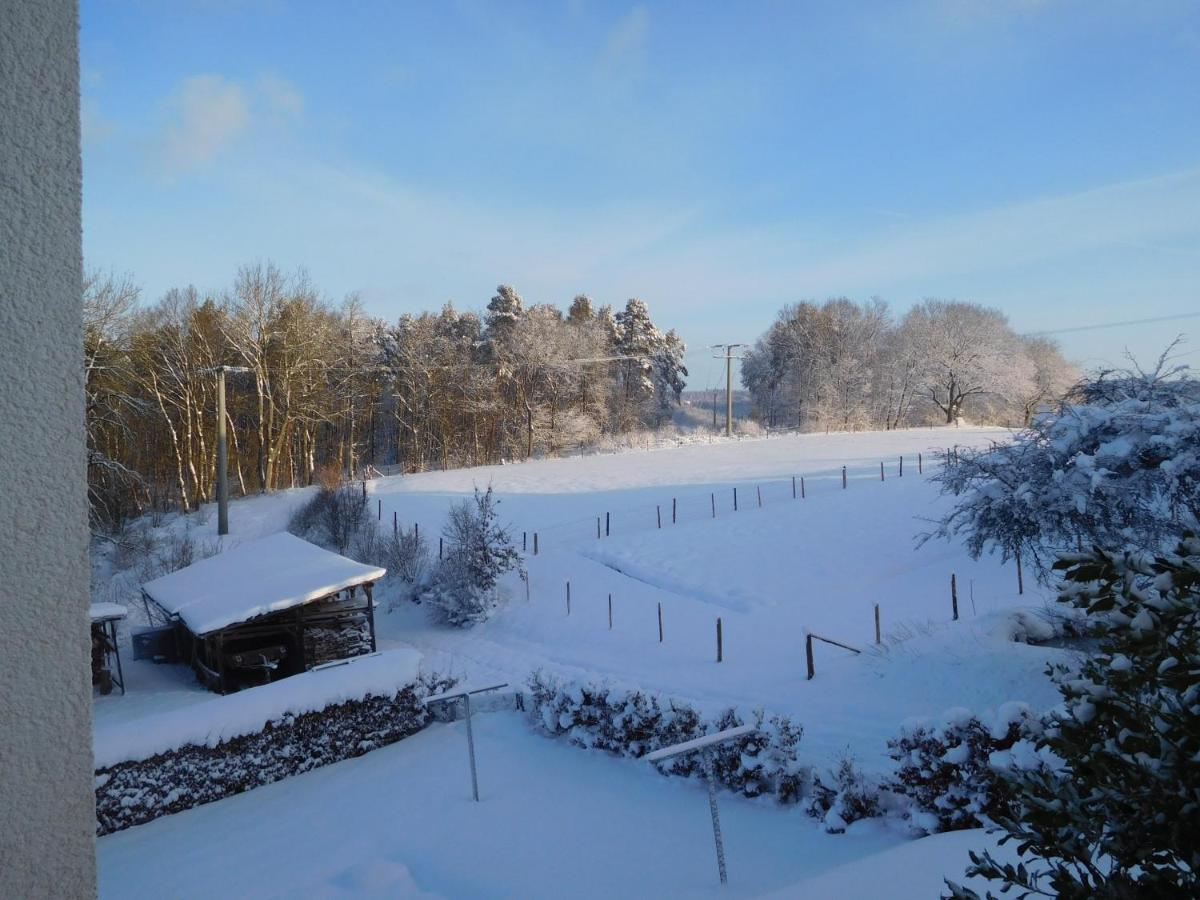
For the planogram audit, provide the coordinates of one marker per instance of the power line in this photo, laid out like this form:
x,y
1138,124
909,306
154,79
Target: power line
x,y
1130,322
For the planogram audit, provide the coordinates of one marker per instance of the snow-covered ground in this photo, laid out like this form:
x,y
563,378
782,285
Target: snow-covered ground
x,y
770,572
552,822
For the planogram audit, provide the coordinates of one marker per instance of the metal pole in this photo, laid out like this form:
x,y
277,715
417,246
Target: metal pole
x,y
471,747
728,395
716,816
222,458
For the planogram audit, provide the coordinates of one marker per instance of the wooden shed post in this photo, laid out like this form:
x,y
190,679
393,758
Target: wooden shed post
x,y
367,589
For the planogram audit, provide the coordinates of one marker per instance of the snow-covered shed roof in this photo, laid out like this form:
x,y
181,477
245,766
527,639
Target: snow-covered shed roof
x,y
255,578
104,612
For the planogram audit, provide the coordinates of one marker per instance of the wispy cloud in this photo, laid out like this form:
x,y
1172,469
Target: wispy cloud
x,y
280,96
95,126
628,36
210,112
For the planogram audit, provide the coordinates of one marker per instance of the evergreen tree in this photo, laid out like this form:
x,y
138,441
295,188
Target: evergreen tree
x,y
465,587
504,310
1118,815
669,373
581,310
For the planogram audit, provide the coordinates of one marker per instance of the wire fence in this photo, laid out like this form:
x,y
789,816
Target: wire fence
x,y
692,503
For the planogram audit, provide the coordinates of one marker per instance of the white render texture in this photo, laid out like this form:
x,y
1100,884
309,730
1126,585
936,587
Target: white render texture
x,y
47,815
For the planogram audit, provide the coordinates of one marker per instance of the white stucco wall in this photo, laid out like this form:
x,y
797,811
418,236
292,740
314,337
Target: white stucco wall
x,y
47,845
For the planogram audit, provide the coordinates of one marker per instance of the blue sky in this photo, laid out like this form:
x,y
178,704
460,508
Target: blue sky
x,y
717,160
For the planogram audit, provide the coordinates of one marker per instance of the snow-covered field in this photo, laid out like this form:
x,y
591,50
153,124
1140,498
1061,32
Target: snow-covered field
x,y
770,572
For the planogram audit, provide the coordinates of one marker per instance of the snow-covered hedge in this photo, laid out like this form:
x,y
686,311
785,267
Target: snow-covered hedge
x,y
948,768
844,795
633,723
168,763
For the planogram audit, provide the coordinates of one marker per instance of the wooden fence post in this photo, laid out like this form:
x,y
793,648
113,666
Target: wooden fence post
x,y
395,523
568,598
954,596
440,539
713,497
380,515
735,499
808,652
901,466
720,648
607,524
610,612
877,624
524,541
793,487
843,478
597,528
364,489
535,544
658,514
920,469
673,510
660,631
801,487
417,531
1020,576
759,496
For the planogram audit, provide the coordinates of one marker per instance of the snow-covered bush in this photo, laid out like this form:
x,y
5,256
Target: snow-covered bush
x,y
1119,814
947,769
403,553
843,796
333,517
465,589
633,723
1118,466
407,557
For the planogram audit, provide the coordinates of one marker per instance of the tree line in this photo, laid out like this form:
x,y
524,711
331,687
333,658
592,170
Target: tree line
x,y
323,385
842,364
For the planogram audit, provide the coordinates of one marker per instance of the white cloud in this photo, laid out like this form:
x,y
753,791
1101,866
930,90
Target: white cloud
x,y
210,112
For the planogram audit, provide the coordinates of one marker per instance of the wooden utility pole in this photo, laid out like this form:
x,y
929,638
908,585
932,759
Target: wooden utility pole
x,y
223,450
222,458
729,358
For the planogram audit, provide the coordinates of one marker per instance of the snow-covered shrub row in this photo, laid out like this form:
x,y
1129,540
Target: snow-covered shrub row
x,y
136,791
634,723
949,768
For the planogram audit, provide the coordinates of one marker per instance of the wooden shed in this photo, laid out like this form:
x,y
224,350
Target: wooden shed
x,y
261,611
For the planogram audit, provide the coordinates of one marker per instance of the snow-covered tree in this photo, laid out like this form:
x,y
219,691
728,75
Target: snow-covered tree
x,y
504,310
465,589
1120,817
1053,376
581,310
1117,467
669,373
968,351
652,375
